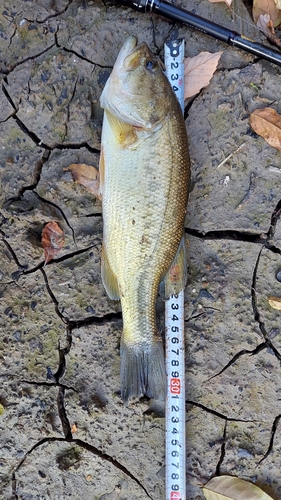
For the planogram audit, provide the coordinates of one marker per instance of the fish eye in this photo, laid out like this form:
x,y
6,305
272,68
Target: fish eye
x,y
150,65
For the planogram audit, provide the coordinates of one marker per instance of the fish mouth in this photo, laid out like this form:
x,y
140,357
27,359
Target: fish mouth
x,y
136,54
130,55
115,79
130,44
127,49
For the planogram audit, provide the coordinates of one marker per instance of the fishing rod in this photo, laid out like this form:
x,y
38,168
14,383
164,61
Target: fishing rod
x,y
178,14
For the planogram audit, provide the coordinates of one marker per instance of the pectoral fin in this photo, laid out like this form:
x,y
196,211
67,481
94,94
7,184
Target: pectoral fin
x,y
175,279
108,278
124,132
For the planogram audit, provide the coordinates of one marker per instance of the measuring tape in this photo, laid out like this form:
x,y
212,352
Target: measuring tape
x,y
174,57
175,359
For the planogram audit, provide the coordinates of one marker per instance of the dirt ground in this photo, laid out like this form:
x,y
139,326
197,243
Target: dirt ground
x,y
64,432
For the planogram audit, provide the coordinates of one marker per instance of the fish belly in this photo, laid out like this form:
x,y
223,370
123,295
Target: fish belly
x,y
144,200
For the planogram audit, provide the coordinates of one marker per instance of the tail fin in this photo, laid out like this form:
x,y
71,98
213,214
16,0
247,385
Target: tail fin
x,y
142,371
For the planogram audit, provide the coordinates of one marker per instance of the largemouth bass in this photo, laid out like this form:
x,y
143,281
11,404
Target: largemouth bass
x,y
144,173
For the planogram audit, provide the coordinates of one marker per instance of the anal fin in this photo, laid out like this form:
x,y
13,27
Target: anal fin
x,y
101,172
175,279
108,278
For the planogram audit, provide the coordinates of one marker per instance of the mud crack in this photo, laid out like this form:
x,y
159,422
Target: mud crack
x,y
56,14
265,345
72,324
235,235
57,260
25,59
251,189
86,446
10,249
63,415
257,315
36,178
49,384
57,207
271,442
216,413
35,138
63,352
269,235
274,219
52,296
80,56
222,453
265,240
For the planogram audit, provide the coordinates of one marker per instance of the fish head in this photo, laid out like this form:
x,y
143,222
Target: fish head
x,y
137,91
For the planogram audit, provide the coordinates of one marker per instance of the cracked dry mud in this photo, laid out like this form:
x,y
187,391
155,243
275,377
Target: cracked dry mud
x,y
64,431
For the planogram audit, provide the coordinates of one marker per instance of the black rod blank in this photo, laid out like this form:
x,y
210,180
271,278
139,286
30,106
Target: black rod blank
x,y
178,14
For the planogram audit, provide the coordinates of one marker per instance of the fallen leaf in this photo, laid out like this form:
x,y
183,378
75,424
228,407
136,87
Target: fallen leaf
x,y
261,7
198,71
267,123
228,2
275,302
233,488
265,24
86,175
52,239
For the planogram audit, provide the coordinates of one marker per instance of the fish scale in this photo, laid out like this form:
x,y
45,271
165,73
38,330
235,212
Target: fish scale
x,y
144,196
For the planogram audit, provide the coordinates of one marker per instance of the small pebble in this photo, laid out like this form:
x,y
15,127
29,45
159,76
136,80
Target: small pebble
x,y
278,275
204,294
74,428
90,309
273,333
50,375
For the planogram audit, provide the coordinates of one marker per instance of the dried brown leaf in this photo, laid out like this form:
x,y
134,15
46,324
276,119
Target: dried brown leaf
x,y
267,123
275,302
86,175
261,7
52,239
233,488
198,71
228,2
265,24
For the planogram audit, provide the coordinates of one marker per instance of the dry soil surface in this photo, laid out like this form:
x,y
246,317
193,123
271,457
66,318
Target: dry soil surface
x,y
64,430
